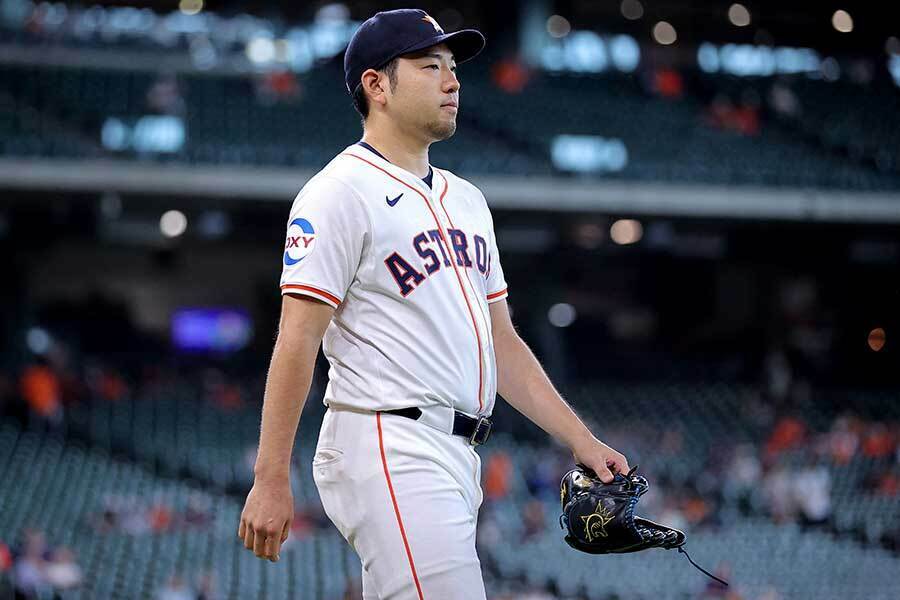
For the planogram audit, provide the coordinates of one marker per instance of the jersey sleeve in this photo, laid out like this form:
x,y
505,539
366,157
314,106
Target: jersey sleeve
x,y
496,282
326,235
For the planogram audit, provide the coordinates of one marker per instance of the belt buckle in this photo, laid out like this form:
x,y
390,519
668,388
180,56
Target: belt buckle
x,y
482,431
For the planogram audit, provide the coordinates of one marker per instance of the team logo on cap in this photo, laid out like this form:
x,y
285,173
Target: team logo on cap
x,y
301,239
430,19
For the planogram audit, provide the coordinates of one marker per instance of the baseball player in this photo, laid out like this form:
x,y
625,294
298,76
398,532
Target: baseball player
x,y
392,265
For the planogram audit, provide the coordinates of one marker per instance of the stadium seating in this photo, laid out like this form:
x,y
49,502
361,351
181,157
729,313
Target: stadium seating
x,y
60,111
175,442
58,487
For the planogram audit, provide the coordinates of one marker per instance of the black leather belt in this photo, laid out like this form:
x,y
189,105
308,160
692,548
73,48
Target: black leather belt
x,y
477,429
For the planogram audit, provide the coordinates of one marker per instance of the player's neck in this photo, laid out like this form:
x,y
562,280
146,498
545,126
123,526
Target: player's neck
x,y
408,153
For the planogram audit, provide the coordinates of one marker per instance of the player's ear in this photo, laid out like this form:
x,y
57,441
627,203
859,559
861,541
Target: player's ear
x,y
375,86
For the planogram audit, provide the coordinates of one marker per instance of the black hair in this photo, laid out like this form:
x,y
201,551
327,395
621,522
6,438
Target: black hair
x,y
360,102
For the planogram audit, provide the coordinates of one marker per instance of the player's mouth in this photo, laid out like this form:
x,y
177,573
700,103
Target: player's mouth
x,y
453,106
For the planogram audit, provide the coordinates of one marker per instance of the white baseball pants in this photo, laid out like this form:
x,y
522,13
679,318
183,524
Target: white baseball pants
x,y
405,496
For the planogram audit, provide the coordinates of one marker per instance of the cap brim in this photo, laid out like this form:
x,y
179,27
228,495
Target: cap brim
x,y
465,44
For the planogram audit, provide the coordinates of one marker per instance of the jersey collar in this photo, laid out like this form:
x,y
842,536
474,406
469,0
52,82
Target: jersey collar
x,y
406,176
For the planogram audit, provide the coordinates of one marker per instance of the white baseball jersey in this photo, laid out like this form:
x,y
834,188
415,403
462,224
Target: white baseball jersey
x,y
410,271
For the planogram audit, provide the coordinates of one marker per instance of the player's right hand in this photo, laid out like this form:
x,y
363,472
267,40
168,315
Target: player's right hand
x,y
266,518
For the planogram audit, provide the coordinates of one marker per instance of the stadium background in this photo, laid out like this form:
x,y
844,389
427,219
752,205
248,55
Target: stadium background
x,y
697,207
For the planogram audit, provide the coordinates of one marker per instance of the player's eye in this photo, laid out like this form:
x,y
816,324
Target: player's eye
x,y
432,67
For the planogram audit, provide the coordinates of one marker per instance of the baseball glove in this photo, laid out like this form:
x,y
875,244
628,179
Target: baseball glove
x,y
600,519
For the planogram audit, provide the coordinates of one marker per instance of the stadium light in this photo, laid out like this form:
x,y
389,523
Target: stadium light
x,y
626,231
632,10
842,21
558,26
38,340
173,223
876,339
190,7
261,50
739,15
664,33
561,314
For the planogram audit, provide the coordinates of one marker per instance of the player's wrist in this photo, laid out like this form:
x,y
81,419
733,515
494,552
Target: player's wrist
x,y
274,474
582,442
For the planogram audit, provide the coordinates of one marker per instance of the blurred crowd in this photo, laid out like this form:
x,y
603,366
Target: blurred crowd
x,y
787,470
42,390
138,515
786,476
37,569
178,587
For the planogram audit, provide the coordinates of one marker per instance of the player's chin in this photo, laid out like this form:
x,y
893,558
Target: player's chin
x,y
441,129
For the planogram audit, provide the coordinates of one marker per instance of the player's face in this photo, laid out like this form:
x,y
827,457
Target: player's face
x,y
426,97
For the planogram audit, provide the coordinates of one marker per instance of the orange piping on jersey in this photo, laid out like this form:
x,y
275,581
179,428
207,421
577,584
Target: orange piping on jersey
x,y
496,294
387,476
314,291
452,262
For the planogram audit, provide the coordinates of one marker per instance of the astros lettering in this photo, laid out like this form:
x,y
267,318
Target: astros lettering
x,y
424,244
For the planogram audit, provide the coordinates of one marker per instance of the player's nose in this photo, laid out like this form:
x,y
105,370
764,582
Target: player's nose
x,y
451,83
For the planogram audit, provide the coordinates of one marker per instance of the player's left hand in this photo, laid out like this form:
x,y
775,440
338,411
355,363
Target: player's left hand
x,y
602,459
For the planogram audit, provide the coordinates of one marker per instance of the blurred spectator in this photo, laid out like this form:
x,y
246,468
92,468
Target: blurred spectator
x,y
159,517
510,75
722,113
671,516
496,476
789,432
696,510
220,392
784,101
843,439
105,383
668,83
770,593
277,86
743,473
304,523
176,589
63,572
879,441
532,519
5,558
812,493
29,570
542,478
778,494
889,485
39,385
198,511
135,516
206,587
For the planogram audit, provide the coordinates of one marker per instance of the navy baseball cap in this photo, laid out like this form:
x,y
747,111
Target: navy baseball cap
x,y
389,34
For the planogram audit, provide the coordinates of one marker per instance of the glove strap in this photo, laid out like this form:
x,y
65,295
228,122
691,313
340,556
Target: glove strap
x,y
683,551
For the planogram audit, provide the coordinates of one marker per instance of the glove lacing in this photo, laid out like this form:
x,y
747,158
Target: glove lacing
x,y
681,550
